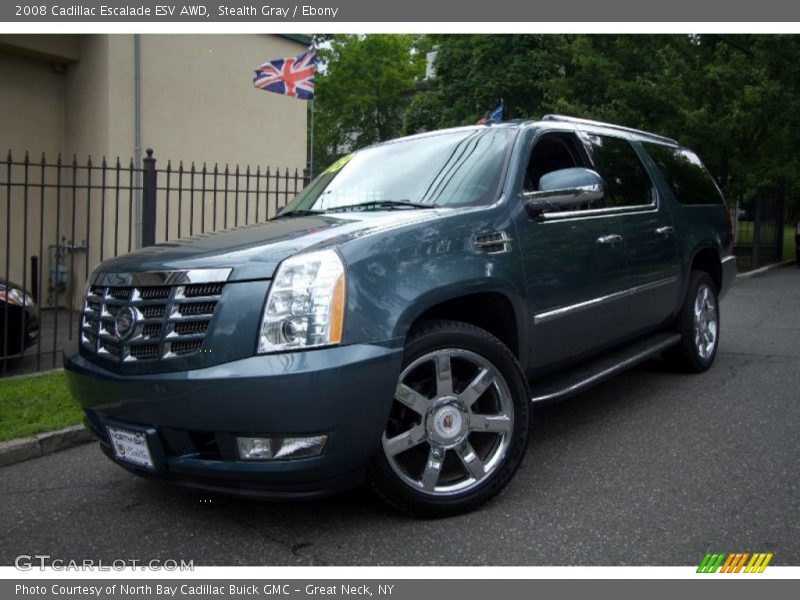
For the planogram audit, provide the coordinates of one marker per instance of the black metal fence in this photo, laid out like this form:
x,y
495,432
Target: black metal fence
x,y
760,230
59,219
181,201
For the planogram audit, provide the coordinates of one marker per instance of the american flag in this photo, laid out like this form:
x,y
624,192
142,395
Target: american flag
x,y
293,76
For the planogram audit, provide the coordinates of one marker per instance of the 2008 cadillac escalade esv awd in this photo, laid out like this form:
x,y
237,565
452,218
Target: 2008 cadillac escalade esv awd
x,y
398,321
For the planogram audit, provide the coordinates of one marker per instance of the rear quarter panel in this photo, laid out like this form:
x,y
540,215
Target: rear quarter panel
x,y
697,226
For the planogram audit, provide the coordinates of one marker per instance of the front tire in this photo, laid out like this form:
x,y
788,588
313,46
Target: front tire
x,y
458,427
698,324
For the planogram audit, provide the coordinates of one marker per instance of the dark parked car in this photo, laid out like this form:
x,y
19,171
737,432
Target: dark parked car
x,y
19,320
399,320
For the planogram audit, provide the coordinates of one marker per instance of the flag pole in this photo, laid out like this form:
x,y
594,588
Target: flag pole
x,y
311,151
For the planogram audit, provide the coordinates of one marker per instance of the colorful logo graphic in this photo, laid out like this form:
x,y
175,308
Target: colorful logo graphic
x,y
734,562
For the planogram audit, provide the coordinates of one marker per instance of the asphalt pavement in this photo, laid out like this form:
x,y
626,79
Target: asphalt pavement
x,y
650,468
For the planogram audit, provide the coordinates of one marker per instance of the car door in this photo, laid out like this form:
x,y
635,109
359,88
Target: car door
x,y
652,285
574,263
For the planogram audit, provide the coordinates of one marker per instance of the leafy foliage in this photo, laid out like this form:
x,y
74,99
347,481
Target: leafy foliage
x,y
734,99
362,90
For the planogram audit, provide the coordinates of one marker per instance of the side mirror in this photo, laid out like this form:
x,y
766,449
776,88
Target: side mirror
x,y
558,190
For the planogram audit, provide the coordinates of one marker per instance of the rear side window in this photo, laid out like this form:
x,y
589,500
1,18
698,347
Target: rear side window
x,y
685,174
627,181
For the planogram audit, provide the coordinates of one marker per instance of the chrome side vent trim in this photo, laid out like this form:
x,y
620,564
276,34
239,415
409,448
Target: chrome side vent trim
x,y
495,242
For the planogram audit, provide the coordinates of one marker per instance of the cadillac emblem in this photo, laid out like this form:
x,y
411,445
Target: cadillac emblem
x,y
125,323
448,423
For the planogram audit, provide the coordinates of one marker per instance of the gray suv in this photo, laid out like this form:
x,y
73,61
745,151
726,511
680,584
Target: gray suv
x,y
400,319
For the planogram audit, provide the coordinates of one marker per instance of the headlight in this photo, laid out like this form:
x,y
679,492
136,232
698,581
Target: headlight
x,y
16,296
305,305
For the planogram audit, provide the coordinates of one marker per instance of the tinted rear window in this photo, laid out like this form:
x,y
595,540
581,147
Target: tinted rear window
x,y
685,174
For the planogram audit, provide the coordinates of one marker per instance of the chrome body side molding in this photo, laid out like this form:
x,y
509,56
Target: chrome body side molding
x,y
549,315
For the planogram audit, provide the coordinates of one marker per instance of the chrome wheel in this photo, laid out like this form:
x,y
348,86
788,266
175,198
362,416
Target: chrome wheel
x,y
451,422
706,322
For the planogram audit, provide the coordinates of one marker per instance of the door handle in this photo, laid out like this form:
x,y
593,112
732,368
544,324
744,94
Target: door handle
x,y
666,230
610,240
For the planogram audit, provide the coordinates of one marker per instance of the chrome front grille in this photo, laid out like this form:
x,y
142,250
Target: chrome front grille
x,y
143,320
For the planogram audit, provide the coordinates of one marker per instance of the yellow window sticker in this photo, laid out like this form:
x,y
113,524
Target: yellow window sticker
x,y
339,163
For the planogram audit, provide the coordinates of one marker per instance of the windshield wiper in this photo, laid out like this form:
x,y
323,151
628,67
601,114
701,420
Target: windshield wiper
x,y
297,213
378,204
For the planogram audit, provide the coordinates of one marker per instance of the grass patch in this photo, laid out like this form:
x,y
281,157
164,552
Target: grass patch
x,y
30,405
789,248
745,232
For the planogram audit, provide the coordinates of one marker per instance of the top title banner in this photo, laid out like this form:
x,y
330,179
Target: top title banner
x,y
464,11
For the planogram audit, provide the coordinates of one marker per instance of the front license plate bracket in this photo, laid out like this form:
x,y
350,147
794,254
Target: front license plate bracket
x,y
131,446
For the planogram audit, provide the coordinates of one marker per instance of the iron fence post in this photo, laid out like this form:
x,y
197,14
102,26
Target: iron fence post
x,y
149,200
780,220
757,218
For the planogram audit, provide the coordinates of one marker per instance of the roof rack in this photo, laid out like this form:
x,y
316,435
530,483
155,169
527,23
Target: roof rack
x,y
578,121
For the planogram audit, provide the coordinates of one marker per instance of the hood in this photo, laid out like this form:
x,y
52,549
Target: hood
x,y
255,251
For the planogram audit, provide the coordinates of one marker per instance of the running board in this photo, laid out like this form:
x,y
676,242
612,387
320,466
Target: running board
x,y
568,383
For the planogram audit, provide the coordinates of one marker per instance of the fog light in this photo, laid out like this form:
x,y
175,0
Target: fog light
x,y
254,448
271,448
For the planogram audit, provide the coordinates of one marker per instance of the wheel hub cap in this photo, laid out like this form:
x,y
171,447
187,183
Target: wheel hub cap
x,y
446,422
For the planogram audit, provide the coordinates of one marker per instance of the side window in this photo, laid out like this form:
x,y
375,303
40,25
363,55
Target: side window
x,y
627,181
685,174
553,152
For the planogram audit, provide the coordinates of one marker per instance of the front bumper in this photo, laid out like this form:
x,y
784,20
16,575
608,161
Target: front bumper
x,y
191,417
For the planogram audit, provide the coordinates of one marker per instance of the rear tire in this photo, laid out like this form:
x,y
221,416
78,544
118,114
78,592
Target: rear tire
x,y
459,423
698,323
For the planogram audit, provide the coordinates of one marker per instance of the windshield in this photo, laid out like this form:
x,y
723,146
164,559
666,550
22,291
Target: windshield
x,y
455,168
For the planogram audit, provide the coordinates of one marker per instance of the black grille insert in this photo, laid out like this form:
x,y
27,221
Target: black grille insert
x,y
144,351
196,308
120,293
185,346
151,329
203,289
190,327
153,311
155,293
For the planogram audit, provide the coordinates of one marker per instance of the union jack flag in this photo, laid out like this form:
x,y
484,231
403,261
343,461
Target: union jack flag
x,y
293,76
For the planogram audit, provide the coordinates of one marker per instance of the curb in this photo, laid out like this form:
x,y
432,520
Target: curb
x,y
15,451
756,272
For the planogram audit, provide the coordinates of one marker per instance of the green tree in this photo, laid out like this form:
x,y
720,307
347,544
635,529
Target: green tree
x,y
363,87
732,98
